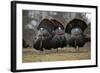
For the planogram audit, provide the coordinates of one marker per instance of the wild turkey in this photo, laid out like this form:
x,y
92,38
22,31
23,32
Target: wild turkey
x,y
77,38
42,39
76,28
58,39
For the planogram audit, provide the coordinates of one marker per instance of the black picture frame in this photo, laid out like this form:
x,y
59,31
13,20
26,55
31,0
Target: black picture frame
x,y
13,35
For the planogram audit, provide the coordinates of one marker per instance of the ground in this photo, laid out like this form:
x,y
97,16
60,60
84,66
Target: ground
x,y
62,54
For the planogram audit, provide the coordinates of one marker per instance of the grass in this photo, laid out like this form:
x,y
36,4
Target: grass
x,y
32,55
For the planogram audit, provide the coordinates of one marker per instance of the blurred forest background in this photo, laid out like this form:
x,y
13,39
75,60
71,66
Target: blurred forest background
x,y
32,18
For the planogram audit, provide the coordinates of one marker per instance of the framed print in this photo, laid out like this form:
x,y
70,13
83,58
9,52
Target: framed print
x,y
48,36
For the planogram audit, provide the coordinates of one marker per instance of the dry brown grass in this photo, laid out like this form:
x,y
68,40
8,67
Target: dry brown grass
x,y
32,55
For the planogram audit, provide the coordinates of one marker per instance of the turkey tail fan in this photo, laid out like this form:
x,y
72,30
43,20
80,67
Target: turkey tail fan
x,y
57,23
75,23
47,24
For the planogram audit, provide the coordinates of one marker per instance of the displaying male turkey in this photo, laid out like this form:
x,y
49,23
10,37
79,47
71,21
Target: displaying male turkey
x,y
77,38
44,35
76,28
58,39
42,39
